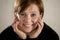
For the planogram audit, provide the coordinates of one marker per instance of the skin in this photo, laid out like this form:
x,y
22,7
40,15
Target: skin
x,y
28,22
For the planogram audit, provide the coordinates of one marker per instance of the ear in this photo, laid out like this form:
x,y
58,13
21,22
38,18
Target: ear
x,y
16,16
41,15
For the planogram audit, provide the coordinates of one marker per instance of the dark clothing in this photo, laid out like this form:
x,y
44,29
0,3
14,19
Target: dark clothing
x,y
46,34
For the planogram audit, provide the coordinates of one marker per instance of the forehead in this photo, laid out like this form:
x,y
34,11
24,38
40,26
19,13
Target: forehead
x,y
32,7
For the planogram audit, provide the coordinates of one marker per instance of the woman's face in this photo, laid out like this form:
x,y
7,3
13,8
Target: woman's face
x,y
28,18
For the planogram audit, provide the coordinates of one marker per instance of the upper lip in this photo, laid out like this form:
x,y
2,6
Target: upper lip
x,y
27,25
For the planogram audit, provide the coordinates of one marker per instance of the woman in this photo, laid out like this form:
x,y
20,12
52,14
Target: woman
x,y
28,24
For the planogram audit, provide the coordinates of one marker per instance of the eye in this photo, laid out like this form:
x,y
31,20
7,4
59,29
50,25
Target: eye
x,y
32,15
22,14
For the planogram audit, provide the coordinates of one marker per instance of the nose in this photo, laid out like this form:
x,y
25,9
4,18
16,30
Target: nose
x,y
28,20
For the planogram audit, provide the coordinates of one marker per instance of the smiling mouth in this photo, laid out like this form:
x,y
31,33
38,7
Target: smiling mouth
x,y
27,26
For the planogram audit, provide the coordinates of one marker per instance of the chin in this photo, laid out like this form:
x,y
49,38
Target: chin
x,y
27,31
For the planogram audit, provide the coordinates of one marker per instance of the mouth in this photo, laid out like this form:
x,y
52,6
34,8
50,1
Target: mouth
x,y
27,26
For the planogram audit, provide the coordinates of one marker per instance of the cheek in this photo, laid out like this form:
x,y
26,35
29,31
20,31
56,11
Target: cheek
x,y
34,19
21,20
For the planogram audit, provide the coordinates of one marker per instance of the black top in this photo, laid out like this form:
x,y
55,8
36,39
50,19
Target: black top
x,y
46,34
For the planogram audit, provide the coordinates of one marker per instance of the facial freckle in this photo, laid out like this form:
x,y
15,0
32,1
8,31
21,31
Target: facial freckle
x,y
30,16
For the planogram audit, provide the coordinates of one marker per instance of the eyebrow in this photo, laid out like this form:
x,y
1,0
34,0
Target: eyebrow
x,y
34,12
29,12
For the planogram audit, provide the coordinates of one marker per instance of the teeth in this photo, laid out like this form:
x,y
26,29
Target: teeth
x,y
28,25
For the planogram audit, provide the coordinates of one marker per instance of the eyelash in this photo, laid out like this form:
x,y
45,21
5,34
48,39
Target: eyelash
x,y
32,15
22,14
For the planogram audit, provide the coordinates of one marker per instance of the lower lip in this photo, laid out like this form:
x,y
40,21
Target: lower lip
x,y
28,26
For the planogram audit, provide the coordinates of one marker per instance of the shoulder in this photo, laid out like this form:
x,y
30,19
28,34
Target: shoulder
x,y
49,33
7,30
8,34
